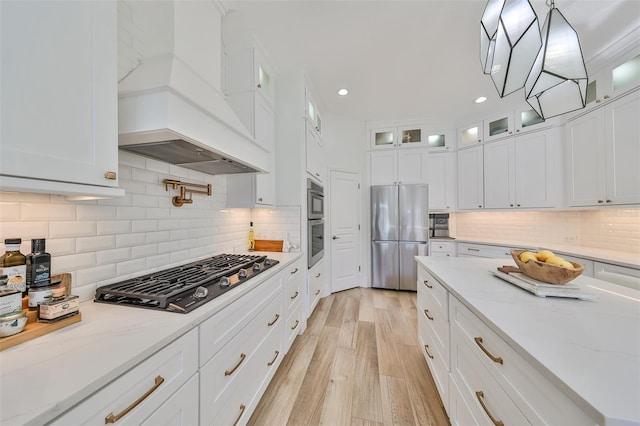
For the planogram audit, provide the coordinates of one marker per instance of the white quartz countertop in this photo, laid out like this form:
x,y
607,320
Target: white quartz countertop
x,y
588,349
42,378
629,259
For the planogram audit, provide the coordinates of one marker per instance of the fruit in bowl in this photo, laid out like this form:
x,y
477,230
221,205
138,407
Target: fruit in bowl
x,y
546,266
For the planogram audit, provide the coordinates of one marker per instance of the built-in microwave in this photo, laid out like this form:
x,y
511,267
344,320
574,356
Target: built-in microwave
x,y
315,241
315,200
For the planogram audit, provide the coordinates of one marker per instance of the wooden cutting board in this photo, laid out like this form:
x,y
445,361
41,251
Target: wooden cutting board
x,y
268,245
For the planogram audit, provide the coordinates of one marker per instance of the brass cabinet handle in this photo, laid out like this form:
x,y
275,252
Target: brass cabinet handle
x,y
274,359
317,292
606,96
427,284
295,325
600,201
607,201
259,86
426,312
480,396
318,274
472,249
112,419
260,199
274,320
493,358
242,408
111,175
294,296
426,348
294,271
230,372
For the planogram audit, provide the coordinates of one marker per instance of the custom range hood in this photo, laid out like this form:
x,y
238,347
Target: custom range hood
x,y
170,104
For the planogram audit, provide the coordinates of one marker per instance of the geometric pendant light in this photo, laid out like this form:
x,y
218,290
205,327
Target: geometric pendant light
x,y
517,43
488,30
557,83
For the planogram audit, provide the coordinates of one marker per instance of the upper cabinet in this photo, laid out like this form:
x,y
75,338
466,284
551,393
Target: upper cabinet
x,y
441,177
246,68
396,137
498,127
470,135
602,154
59,111
312,113
470,178
398,167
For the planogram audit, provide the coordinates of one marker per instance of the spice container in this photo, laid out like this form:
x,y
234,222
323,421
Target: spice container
x,y
38,264
10,301
12,323
13,264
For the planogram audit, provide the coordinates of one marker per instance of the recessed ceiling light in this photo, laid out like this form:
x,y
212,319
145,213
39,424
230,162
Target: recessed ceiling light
x,y
343,92
481,99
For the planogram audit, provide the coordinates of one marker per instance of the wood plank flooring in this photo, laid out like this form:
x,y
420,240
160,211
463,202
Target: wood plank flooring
x,y
358,363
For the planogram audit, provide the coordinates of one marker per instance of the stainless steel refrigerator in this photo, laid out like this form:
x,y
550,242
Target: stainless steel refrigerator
x,y
399,231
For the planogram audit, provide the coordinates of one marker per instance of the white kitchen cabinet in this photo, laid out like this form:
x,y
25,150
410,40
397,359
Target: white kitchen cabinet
x,y
313,114
249,85
470,135
395,166
441,176
439,140
527,119
157,379
481,250
521,172
292,300
398,137
58,117
602,153
440,248
179,410
498,127
315,285
470,178
617,274
316,162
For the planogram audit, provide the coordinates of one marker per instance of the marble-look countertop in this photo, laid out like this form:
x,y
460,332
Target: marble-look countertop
x,y
42,378
628,259
590,350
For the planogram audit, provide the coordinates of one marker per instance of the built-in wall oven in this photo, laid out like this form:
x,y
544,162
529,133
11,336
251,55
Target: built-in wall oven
x,y
315,222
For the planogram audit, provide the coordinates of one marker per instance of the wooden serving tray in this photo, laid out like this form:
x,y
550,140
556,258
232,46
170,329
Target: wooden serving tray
x,y
268,245
35,329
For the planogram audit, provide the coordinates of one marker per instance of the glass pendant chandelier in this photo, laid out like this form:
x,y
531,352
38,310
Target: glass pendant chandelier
x,y
517,43
557,83
488,30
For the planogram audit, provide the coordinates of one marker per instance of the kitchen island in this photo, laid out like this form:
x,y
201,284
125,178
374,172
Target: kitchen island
x,y
585,351
43,378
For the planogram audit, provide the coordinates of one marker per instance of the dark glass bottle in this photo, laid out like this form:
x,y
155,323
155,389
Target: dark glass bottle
x,y
13,265
38,264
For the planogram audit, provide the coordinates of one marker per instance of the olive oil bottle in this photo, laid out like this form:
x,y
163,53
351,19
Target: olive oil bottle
x,y
252,238
13,264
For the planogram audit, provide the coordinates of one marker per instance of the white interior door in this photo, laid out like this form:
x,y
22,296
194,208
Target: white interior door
x,y
345,230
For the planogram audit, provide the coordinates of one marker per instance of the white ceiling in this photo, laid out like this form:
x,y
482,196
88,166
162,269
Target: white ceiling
x,y
403,59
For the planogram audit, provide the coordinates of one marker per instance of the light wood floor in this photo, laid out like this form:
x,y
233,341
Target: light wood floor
x,y
358,363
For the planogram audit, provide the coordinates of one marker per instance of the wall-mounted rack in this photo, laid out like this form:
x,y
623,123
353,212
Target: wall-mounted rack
x,y
180,200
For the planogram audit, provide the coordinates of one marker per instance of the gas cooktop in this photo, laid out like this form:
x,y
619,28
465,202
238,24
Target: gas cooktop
x,y
184,288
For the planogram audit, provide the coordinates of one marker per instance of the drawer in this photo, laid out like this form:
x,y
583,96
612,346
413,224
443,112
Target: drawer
x,y
435,293
459,412
442,247
534,395
439,329
293,292
240,398
224,325
437,362
480,250
179,410
293,325
230,361
292,272
174,364
485,398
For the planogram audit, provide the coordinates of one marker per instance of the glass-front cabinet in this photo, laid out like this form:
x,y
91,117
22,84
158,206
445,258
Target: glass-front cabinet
x,y
313,115
470,135
397,137
498,127
439,140
527,119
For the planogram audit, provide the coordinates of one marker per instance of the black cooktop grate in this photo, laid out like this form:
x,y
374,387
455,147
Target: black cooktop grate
x,y
160,288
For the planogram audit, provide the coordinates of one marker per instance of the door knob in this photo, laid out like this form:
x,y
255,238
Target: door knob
x,y
334,237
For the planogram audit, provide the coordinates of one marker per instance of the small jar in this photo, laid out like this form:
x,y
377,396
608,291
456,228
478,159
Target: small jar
x,y
12,323
38,295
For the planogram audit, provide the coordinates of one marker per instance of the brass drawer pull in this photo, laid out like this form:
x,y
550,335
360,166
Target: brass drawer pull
x,y
274,359
294,271
426,312
230,372
242,408
295,325
274,320
493,358
112,419
111,175
427,284
480,396
294,296
317,292
426,348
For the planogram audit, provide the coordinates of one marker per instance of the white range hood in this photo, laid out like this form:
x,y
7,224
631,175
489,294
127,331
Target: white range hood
x,y
170,105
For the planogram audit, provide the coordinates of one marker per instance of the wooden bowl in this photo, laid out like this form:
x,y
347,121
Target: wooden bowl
x,y
546,272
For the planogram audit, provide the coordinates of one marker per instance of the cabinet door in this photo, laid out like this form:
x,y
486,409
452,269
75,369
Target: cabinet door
x,y
470,179
585,151
179,410
498,127
440,174
499,174
263,76
410,137
59,91
264,130
384,166
470,135
622,148
410,167
315,154
536,177
383,138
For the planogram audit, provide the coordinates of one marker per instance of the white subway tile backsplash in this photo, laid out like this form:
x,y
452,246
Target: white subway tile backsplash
x,y
95,243
145,200
158,261
144,251
131,267
132,187
157,166
61,246
129,240
158,237
24,197
95,212
168,247
47,212
113,227
144,225
78,228
105,257
73,262
9,211
131,213
98,273
120,201
140,175
128,159
24,230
